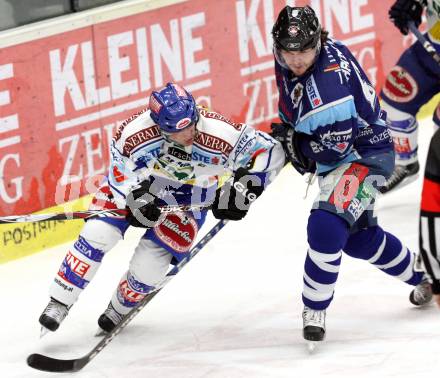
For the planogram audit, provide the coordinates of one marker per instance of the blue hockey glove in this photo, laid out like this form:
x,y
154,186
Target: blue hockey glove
x,y
290,140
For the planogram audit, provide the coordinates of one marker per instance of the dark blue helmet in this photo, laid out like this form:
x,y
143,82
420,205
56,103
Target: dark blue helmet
x,y
173,108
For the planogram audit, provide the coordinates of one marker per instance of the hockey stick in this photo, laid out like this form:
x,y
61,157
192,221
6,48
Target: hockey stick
x,y
430,49
50,364
87,214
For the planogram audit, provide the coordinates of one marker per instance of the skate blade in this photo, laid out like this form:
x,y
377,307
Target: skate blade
x,y
43,332
312,345
100,332
404,183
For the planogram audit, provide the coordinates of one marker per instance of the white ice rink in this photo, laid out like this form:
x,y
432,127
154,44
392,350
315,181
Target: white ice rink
x,y
235,310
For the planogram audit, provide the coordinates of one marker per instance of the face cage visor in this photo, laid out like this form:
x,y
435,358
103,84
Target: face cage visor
x,y
166,135
279,57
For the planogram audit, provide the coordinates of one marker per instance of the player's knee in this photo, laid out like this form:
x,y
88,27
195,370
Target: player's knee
x,y
399,120
101,235
365,243
149,263
326,232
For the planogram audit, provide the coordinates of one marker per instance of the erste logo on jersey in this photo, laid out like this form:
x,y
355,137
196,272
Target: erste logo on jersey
x,y
205,157
400,86
313,93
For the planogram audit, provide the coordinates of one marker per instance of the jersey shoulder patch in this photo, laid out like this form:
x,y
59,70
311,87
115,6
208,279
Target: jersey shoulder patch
x,y
139,133
217,133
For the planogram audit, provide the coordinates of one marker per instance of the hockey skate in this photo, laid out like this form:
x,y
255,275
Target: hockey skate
x,y
421,294
313,327
109,320
52,316
401,176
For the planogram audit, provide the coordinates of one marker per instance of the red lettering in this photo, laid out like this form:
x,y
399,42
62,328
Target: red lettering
x,y
77,266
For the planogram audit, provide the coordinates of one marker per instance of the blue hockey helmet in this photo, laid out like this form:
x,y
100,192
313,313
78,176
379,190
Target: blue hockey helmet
x,y
173,108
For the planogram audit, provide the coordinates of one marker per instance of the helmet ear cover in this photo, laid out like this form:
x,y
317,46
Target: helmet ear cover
x,y
173,108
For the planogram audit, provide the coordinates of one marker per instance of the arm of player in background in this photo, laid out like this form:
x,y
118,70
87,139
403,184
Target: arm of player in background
x,y
124,174
268,162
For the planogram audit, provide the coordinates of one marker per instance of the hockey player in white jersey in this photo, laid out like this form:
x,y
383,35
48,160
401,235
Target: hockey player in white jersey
x,y
172,153
410,84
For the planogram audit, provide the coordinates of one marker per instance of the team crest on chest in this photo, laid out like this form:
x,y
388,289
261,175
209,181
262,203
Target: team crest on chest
x,y
297,94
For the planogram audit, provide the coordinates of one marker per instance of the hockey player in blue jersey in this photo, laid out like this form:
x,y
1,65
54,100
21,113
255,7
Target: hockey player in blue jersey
x,y
333,124
410,84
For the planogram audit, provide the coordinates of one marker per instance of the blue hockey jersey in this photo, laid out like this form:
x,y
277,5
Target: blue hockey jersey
x,y
335,108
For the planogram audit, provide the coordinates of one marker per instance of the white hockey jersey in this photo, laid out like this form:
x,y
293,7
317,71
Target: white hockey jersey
x,y
139,151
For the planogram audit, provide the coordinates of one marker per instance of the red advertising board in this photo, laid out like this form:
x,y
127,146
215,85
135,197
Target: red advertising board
x,y
62,96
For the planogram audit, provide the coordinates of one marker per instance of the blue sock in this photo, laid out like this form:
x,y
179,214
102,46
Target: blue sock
x,y
385,252
327,234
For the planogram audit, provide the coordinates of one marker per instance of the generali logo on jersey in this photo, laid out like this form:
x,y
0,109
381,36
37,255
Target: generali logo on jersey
x,y
141,137
213,143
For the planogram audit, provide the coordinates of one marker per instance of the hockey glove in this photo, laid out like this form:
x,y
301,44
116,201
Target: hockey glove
x,y
290,140
404,11
233,199
142,207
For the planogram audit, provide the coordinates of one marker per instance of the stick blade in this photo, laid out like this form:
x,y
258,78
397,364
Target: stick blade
x,y
45,363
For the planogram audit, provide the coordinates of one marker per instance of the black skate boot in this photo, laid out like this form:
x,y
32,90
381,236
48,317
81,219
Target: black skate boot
x,y
401,176
313,326
52,316
109,319
421,294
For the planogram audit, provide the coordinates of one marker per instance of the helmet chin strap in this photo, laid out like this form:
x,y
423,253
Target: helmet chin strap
x,y
318,49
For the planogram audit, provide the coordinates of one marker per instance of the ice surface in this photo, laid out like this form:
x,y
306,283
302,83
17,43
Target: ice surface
x,y
235,310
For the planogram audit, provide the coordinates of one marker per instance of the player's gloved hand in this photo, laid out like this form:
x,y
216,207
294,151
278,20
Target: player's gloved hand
x,y
233,199
142,207
290,140
404,11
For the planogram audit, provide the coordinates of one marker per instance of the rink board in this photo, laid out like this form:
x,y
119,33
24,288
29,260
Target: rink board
x,y
22,239
67,83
